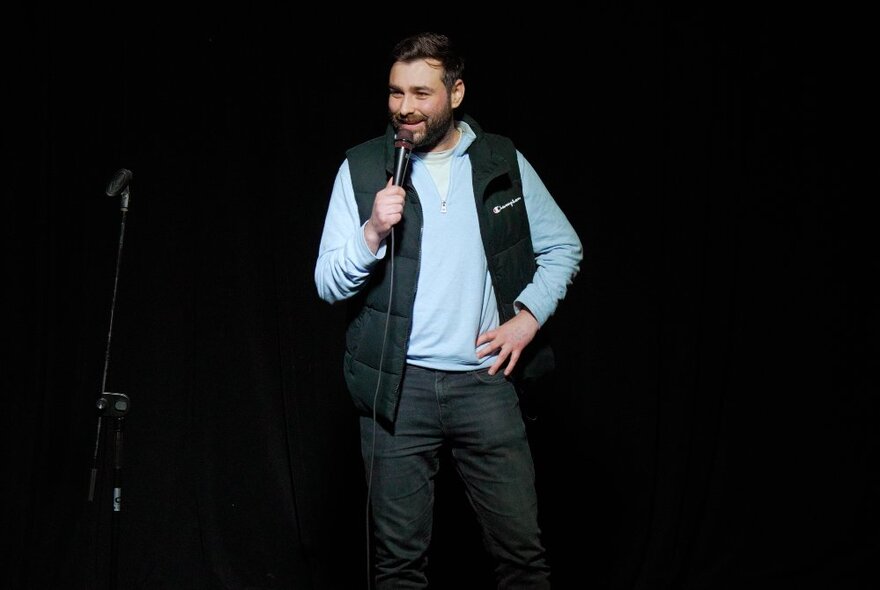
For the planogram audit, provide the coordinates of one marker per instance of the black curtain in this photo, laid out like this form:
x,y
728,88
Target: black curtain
x,y
711,424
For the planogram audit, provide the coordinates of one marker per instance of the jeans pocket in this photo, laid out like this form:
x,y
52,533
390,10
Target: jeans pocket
x,y
483,376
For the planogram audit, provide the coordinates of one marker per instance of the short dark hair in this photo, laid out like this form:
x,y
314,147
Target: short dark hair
x,y
431,46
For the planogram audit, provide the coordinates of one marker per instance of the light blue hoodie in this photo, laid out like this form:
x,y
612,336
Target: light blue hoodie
x,y
455,301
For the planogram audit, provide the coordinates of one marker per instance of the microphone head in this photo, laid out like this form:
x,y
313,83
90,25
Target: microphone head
x,y
119,182
404,139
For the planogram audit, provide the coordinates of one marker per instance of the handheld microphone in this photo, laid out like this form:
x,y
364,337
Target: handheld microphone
x,y
403,145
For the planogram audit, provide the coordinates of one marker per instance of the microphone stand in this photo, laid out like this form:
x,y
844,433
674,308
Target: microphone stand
x,y
113,406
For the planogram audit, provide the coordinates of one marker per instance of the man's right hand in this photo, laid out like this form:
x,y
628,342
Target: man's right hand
x,y
387,212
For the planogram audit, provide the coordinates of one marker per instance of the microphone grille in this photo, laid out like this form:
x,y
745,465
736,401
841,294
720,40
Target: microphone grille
x,y
403,138
119,182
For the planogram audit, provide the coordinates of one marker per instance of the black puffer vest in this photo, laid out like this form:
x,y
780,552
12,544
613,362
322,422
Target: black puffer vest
x,y
506,240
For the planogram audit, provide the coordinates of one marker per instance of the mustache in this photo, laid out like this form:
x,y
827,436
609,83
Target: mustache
x,y
409,120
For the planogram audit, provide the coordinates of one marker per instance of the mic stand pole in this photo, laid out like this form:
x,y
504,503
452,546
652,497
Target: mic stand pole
x,y
113,405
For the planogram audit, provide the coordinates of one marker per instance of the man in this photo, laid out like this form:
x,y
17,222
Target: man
x,y
451,275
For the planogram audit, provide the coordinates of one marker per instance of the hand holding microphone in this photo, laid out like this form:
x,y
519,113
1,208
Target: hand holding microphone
x,y
388,205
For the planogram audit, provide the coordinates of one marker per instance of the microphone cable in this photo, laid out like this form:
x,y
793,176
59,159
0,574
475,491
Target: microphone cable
x,y
403,145
375,399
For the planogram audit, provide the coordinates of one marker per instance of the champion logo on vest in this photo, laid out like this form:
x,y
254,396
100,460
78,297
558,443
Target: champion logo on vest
x,y
498,208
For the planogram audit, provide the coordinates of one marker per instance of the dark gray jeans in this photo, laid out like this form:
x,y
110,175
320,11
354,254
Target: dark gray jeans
x,y
478,417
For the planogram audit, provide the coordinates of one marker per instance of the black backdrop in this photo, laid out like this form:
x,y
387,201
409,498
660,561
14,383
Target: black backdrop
x,y
711,423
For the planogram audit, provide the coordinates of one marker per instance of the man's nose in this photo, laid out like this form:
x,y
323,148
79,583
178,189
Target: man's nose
x,y
407,105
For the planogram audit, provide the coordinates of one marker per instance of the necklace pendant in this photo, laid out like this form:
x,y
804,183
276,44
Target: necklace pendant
x,y
443,206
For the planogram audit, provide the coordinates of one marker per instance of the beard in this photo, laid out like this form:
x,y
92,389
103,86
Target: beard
x,y
436,127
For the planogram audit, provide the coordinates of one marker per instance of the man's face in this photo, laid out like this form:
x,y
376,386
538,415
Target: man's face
x,y
418,101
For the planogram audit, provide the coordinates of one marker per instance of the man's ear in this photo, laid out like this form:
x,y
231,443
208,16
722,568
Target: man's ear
x,y
457,94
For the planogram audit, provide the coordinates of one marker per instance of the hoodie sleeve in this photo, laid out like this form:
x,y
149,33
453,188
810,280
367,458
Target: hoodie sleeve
x,y
344,259
558,250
